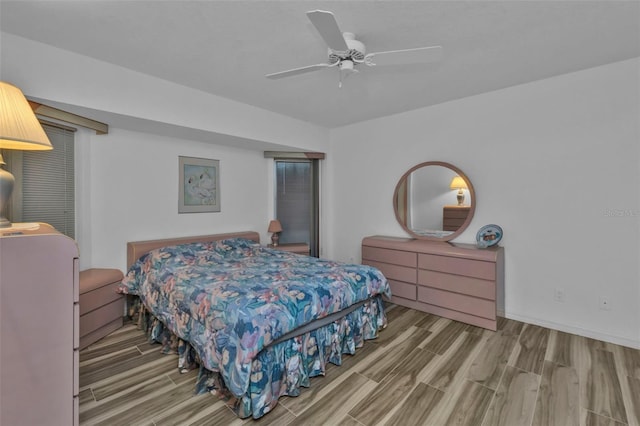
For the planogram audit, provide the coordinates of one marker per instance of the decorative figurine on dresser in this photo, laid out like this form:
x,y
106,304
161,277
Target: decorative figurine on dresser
x,y
39,326
463,282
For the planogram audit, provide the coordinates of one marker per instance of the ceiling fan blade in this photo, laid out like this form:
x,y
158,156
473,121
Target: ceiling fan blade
x,y
296,71
328,28
407,56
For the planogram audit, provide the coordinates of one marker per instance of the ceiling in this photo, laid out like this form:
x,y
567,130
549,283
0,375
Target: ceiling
x,y
226,47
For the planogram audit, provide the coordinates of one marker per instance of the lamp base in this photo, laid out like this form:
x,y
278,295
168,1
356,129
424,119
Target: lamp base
x,y
460,197
6,188
274,239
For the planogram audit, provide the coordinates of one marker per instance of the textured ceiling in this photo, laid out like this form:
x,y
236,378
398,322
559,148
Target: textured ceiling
x,y
226,48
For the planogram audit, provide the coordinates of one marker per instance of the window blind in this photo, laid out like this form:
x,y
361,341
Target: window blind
x,y
48,190
297,201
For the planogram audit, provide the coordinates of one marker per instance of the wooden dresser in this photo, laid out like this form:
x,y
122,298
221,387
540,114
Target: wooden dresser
x,y
457,281
39,328
453,217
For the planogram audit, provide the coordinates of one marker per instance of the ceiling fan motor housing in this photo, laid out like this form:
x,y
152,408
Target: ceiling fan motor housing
x,y
355,53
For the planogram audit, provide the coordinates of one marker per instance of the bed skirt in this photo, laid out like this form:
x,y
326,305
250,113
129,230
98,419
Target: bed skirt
x,y
279,369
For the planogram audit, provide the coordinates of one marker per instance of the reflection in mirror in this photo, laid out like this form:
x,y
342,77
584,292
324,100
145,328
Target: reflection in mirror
x,y
434,200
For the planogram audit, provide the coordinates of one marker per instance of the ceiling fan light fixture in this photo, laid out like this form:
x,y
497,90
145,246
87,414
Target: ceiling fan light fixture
x,y
347,66
346,69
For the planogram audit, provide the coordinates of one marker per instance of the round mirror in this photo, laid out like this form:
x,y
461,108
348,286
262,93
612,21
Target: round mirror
x,y
434,201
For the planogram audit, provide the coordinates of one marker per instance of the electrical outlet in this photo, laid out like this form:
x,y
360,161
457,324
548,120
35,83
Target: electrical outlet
x,y
559,295
605,305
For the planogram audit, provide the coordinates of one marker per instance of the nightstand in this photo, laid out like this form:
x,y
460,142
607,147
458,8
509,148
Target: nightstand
x,y
454,216
297,248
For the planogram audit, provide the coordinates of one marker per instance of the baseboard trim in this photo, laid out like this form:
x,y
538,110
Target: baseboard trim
x,y
618,340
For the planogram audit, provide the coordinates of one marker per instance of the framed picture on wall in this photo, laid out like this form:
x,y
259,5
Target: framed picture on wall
x,y
199,186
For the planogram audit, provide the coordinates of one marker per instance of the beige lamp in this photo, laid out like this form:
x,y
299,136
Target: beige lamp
x,y
275,227
19,129
458,183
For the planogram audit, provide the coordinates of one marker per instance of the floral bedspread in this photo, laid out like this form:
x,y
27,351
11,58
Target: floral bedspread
x,y
231,298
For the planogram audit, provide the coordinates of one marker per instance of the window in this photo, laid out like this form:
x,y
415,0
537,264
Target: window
x,y
297,206
44,189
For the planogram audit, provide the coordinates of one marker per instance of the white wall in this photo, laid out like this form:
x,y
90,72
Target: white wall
x,y
132,193
556,163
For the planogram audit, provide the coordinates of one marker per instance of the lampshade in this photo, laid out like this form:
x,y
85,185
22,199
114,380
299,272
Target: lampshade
x,y
275,226
19,129
458,183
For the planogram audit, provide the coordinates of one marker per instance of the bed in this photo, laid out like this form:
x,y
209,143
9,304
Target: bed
x,y
256,322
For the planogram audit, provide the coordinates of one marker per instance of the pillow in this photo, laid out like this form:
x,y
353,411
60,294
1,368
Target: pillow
x,y
236,247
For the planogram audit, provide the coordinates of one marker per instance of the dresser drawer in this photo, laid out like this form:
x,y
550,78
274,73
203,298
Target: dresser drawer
x,y
103,315
452,224
458,284
404,290
76,372
458,302
76,410
458,266
394,257
394,272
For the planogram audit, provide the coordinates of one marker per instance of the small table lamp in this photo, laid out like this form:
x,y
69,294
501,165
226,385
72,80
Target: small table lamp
x,y
19,129
458,183
275,227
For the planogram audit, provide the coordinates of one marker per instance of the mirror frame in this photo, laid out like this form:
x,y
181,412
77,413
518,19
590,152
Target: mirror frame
x,y
472,194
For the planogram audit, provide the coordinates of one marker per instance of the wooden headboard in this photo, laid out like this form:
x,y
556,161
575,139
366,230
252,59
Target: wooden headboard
x,y
135,249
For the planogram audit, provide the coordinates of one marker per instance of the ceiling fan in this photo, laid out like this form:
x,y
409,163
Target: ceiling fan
x,y
346,53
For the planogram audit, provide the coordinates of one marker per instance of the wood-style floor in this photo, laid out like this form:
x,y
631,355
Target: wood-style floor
x,y
422,369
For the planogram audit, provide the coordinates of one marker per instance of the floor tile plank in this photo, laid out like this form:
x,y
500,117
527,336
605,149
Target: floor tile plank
x,y
488,366
145,410
558,401
603,394
423,397
531,349
633,398
186,411
221,416
443,339
121,365
592,419
630,361
467,407
515,400
124,400
393,355
334,406
454,363
119,381
393,389
561,348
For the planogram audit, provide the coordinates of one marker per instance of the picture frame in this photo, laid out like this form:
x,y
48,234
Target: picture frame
x,y
199,185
